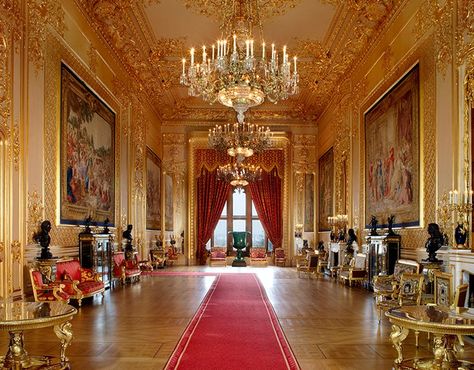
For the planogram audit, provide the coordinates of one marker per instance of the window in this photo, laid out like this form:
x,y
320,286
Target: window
x,y
239,214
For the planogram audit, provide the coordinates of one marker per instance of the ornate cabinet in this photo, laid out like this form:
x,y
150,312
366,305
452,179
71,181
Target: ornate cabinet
x,y
95,252
384,251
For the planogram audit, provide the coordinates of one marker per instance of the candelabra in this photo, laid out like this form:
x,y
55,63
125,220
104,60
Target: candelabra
x,y
339,224
455,209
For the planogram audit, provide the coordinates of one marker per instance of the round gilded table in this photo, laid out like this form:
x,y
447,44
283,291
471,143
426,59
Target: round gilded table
x,y
445,324
16,317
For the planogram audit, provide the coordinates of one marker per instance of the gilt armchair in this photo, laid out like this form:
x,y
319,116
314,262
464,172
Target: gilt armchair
x,y
310,267
218,256
78,282
356,272
386,286
279,257
46,291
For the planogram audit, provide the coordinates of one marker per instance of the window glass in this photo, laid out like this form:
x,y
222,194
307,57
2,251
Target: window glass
x,y
239,201
220,234
270,246
258,235
224,211
254,211
239,225
208,245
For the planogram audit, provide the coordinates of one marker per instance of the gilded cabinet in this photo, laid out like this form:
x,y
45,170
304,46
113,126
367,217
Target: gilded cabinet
x,y
95,252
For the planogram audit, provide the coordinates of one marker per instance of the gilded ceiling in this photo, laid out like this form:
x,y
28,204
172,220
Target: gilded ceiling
x,y
151,37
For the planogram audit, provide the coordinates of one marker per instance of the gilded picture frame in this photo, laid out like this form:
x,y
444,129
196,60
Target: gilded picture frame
x,y
392,154
169,209
326,189
153,190
87,170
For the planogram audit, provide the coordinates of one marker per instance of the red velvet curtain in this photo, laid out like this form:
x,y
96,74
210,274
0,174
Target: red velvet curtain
x,y
266,195
211,197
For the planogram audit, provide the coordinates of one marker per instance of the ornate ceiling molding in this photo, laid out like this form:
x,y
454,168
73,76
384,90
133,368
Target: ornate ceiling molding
x,y
217,8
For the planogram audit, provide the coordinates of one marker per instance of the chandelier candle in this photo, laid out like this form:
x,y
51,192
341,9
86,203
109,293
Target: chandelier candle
x,y
241,80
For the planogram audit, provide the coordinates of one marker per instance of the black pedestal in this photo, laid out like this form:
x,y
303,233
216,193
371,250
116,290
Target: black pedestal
x,y
237,263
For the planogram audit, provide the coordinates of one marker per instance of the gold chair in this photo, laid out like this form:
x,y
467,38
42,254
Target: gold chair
x,y
443,293
386,286
357,271
409,293
280,258
311,267
322,261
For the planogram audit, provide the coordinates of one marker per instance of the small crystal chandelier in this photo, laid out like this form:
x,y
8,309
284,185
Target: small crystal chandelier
x,y
240,140
239,174
238,78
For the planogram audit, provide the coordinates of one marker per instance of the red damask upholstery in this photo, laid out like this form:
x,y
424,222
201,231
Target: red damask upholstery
x,y
258,256
126,269
78,282
280,258
218,256
52,291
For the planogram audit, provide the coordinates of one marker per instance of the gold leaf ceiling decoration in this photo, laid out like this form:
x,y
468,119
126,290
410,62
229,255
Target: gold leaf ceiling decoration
x,y
154,61
219,8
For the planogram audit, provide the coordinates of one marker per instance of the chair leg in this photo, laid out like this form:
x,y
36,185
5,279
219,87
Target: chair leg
x,y
417,335
460,340
79,302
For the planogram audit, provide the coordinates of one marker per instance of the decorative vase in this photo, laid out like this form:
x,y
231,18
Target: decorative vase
x,y
239,243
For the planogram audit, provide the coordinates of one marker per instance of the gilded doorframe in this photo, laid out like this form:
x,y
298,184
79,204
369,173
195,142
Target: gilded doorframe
x,y
200,141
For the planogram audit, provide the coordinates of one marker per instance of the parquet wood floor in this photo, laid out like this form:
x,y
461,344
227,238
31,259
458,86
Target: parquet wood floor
x,y
329,326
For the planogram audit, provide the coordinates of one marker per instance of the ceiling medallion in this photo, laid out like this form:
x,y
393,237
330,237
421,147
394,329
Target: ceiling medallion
x,y
240,140
232,73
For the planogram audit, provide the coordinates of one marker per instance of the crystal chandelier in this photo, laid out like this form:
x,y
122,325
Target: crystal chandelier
x,y
240,140
236,76
239,174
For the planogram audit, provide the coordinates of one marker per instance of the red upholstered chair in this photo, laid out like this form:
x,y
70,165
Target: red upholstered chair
x,y
258,256
126,269
218,256
280,257
51,291
78,282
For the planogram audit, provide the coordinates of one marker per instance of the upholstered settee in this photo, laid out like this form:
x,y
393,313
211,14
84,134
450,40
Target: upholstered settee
x,y
46,291
78,282
258,256
126,269
218,256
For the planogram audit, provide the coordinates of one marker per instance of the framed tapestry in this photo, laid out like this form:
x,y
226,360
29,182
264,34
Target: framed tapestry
x,y
87,161
153,191
168,203
392,154
326,189
309,202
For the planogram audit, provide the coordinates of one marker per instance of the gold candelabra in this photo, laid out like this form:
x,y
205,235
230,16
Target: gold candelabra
x,y
338,224
455,208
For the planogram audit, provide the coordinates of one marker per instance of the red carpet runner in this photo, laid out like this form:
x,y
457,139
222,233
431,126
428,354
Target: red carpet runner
x,y
234,328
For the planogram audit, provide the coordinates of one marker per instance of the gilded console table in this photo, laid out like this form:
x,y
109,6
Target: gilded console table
x,y
445,324
17,317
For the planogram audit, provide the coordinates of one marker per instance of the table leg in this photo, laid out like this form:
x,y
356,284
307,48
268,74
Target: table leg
x,y
64,333
16,357
397,336
444,352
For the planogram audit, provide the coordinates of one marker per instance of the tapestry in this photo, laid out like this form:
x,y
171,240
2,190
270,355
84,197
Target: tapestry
x,y
392,152
87,170
326,189
168,203
153,191
309,202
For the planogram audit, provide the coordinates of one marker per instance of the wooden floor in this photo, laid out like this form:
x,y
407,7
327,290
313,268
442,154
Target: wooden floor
x,y
329,326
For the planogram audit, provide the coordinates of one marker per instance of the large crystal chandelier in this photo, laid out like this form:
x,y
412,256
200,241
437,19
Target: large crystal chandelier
x,y
240,140
239,174
236,75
